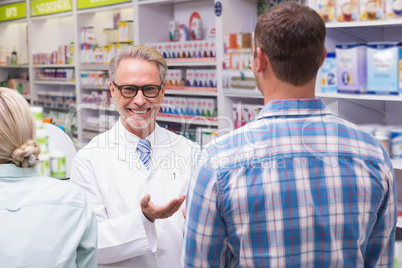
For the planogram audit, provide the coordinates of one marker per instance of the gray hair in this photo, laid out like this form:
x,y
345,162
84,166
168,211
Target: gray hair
x,y
139,52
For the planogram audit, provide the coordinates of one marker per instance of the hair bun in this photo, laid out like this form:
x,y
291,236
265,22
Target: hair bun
x,y
27,155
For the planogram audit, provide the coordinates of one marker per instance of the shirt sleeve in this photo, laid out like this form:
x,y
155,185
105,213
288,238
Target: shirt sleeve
x,y
380,245
205,240
119,238
87,249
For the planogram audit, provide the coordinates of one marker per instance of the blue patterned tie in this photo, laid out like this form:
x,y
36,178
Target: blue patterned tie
x,y
144,150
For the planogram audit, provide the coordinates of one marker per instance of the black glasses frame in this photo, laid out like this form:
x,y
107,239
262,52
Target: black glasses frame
x,y
120,87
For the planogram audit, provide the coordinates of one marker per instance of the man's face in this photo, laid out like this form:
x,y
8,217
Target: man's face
x,y
139,112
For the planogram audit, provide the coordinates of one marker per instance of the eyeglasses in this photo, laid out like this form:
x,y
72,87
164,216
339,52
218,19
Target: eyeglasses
x,y
130,91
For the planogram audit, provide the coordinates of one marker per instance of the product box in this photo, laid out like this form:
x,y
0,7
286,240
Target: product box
x,y
240,80
212,79
346,10
110,35
210,108
126,31
212,49
179,80
109,51
351,67
196,32
383,67
190,49
170,78
179,105
328,74
167,50
326,9
396,143
393,9
201,81
195,49
174,51
174,30
197,79
198,107
200,49
159,47
190,77
184,53
179,51
371,10
170,101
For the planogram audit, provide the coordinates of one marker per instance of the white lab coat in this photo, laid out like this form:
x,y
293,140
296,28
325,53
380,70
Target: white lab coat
x,y
115,181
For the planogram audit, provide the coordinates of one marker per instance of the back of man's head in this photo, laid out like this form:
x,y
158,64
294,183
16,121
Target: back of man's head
x,y
292,36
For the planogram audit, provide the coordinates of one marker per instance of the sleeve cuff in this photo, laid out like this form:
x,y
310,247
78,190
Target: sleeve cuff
x,y
150,232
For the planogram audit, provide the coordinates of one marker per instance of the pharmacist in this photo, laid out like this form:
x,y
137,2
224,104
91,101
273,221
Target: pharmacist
x,y
136,174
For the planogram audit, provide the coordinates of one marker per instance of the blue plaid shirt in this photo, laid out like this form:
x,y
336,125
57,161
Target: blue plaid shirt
x,y
296,187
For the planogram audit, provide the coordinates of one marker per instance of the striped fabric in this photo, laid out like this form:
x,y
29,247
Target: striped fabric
x,y
297,187
144,150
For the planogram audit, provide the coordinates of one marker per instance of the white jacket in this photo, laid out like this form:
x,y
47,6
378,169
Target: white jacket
x,y
115,181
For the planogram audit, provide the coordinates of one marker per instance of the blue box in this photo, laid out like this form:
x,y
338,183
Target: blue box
x,y
383,61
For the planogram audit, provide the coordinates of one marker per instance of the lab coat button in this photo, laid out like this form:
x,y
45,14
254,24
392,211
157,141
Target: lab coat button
x,y
159,253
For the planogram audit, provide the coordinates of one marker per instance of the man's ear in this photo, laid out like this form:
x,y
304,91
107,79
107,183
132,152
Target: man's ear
x,y
262,60
324,54
112,91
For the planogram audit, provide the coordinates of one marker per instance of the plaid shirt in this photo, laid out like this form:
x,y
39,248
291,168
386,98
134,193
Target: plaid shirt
x,y
296,187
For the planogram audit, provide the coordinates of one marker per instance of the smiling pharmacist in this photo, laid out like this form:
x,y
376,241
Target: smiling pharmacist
x,y
136,174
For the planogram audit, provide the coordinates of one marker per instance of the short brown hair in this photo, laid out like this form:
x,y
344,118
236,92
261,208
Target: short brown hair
x,y
292,36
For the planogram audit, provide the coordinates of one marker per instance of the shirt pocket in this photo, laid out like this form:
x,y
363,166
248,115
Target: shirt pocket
x,y
176,186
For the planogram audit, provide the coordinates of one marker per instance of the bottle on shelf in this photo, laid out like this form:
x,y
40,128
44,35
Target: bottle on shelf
x,y
14,59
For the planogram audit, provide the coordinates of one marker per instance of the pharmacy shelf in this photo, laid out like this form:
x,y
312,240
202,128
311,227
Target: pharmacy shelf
x,y
161,2
94,67
54,66
360,96
395,23
96,107
53,16
65,109
399,221
189,120
397,164
14,21
37,82
191,62
243,93
104,8
89,134
191,91
92,88
14,66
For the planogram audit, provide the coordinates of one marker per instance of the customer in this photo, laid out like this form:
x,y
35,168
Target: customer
x,y
136,174
44,222
298,186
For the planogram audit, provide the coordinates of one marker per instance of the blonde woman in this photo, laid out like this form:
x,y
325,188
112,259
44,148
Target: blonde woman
x,y
43,222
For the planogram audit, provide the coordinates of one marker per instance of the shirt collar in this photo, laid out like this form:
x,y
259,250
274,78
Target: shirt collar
x,y
294,107
156,137
127,141
12,171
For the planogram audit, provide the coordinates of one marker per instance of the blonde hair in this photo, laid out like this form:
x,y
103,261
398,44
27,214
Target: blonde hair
x,y
17,130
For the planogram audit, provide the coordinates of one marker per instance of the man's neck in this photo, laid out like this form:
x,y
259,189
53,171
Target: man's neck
x,y
141,133
279,90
